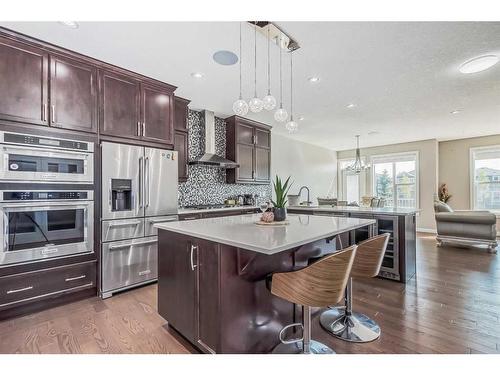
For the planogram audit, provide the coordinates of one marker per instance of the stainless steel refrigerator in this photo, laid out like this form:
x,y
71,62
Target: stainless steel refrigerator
x,y
139,189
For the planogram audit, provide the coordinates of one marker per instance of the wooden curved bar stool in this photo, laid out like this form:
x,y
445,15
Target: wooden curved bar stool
x,y
344,323
320,284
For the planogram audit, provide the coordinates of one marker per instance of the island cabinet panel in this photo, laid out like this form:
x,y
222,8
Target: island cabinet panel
x,y
23,83
156,114
120,105
177,301
249,144
73,94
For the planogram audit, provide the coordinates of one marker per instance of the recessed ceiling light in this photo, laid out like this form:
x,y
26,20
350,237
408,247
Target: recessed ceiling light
x,y
313,79
72,24
478,64
197,75
456,111
351,105
301,118
225,58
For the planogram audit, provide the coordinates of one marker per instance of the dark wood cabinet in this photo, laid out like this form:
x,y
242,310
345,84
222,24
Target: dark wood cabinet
x,y
73,94
192,307
181,146
249,144
23,83
156,114
181,140
120,105
181,113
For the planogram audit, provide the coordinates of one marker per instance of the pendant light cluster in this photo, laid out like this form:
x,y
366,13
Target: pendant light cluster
x,y
359,165
255,105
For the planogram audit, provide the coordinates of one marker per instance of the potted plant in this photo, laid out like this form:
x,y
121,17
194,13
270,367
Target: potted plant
x,y
281,191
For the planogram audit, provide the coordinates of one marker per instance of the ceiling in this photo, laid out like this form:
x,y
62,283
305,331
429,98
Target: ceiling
x,y
402,76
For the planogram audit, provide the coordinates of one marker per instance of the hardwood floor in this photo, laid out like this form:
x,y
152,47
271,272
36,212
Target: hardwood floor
x,y
453,306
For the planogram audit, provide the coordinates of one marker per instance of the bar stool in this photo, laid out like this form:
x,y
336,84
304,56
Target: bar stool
x,y
320,284
344,323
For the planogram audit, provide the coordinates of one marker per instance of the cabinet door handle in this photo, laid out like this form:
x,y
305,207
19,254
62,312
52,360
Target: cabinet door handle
x,y
19,290
143,129
75,278
53,113
190,218
138,128
44,112
193,248
145,272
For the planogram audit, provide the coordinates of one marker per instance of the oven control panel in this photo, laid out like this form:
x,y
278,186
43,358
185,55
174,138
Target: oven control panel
x,y
45,195
32,140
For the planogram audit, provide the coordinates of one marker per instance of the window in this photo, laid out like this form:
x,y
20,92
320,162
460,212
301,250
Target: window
x,y
485,178
395,179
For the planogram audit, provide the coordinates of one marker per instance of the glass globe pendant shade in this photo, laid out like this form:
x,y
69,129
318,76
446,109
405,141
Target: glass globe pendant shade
x,y
240,107
292,126
269,102
256,104
281,115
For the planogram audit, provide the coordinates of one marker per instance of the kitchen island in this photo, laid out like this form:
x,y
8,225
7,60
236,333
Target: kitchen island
x,y
213,275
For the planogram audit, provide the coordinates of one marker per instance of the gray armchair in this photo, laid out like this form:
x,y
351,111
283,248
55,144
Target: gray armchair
x,y
465,227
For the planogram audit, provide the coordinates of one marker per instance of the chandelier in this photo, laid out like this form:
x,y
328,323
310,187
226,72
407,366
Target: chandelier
x,y
359,165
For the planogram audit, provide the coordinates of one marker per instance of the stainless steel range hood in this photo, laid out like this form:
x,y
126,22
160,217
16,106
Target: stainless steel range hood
x,y
209,158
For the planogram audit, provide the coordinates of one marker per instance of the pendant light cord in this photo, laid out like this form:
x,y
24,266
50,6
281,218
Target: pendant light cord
x,y
241,97
255,58
268,60
291,85
281,78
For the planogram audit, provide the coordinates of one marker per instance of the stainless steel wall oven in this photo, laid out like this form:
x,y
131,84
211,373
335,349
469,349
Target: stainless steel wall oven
x,y
36,225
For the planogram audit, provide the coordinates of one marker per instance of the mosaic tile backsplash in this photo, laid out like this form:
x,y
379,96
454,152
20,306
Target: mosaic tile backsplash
x,y
207,185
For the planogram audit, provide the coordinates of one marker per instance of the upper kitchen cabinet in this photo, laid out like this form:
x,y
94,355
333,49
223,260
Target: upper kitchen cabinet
x,y
23,83
181,113
120,105
157,109
73,94
248,144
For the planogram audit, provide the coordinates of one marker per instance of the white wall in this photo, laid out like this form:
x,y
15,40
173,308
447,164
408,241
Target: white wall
x,y
313,166
428,165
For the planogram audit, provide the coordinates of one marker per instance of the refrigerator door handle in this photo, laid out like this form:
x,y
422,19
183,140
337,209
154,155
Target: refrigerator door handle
x,y
141,198
146,181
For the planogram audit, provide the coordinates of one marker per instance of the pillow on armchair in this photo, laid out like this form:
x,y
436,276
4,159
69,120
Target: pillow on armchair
x,y
442,207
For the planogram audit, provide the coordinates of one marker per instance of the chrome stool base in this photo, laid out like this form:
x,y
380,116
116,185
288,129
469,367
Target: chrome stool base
x,y
296,348
354,328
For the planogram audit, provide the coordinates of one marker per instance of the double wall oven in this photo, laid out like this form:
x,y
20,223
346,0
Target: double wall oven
x,y
46,198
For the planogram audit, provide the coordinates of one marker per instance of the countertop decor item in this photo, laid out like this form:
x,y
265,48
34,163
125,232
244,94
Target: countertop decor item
x,y
272,223
267,217
326,201
444,194
281,191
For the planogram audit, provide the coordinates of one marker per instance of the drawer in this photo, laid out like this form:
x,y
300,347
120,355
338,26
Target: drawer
x,y
115,230
129,262
150,230
32,286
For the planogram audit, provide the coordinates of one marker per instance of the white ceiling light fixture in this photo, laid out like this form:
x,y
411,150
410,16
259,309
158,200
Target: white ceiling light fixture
x,y
71,24
281,114
359,165
269,100
313,79
197,75
351,105
301,118
240,107
291,125
478,64
256,104
455,112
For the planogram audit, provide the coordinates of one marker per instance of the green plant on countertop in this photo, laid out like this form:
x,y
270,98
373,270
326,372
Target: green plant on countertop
x,y
281,192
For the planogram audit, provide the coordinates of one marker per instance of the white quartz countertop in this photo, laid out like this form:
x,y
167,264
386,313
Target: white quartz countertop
x,y
241,231
364,210
186,211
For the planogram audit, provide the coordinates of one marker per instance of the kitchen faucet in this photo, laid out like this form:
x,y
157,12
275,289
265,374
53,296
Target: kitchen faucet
x,y
308,202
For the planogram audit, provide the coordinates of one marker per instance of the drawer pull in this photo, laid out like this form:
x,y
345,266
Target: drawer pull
x,y
75,278
124,224
156,221
19,290
146,272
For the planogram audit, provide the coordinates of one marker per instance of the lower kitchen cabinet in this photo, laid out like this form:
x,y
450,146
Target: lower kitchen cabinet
x,y
36,286
192,306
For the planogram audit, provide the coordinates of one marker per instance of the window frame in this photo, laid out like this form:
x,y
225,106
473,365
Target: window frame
x,y
472,174
416,155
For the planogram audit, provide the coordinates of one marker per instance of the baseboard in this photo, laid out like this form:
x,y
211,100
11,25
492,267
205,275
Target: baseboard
x,y
427,230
